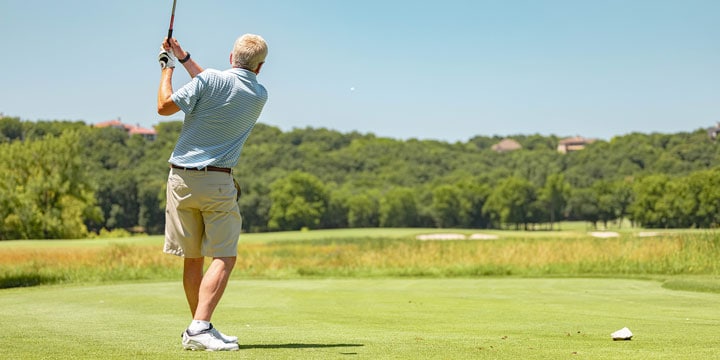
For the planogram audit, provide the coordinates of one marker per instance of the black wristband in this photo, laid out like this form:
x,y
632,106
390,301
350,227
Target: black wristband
x,y
185,59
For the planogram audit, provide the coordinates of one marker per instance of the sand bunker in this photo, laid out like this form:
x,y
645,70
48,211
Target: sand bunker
x,y
456,237
441,237
604,234
479,236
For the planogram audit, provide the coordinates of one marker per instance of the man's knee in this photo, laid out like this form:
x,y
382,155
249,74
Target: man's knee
x,y
194,262
229,261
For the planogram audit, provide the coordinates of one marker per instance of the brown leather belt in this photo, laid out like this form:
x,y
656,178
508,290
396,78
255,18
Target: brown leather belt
x,y
207,168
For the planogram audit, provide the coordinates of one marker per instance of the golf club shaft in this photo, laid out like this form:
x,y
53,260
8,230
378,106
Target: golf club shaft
x,y
172,20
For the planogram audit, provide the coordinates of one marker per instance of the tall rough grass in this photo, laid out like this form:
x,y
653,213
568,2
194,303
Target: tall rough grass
x,y
694,254
690,254
27,267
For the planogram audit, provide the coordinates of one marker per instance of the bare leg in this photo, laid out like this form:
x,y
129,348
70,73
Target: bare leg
x,y
192,278
212,287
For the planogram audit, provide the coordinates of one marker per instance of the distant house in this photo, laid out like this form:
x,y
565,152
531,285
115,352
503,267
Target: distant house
x,y
149,134
506,145
117,124
573,144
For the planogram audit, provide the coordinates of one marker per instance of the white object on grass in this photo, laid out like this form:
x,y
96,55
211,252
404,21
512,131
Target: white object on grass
x,y
622,334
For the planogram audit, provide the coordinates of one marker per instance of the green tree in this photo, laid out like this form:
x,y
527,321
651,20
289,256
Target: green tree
x,y
364,209
48,191
706,185
623,197
607,207
511,202
336,216
583,205
477,192
647,210
553,196
678,205
450,207
10,129
442,184
255,203
398,208
298,200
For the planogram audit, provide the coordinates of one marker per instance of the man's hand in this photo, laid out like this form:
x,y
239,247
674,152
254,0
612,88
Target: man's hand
x,y
175,48
166,58
190,65
165,105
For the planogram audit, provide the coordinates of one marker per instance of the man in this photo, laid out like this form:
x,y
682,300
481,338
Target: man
x,y
202,214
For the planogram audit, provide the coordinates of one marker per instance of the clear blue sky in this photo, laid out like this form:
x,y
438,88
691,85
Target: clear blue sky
x,y
444,70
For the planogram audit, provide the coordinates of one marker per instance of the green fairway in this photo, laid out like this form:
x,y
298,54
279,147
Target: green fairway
x,y
509,318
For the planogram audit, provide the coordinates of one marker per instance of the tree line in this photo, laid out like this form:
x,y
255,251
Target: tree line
x,y
65,179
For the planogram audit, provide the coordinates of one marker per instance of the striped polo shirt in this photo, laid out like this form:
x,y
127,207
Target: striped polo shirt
x,y
221,108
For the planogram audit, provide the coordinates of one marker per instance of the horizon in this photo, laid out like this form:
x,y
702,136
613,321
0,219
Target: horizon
x,y
493,136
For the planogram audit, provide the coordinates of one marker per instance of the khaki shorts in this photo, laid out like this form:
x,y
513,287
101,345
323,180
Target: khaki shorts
x,y
202,217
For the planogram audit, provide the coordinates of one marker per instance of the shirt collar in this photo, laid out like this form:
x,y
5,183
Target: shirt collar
x,y
244,73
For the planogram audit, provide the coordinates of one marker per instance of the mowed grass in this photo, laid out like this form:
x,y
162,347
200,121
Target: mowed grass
x,y
375,294
487,318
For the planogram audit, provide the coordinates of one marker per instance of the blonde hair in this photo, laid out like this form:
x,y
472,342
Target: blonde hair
x,y
249,52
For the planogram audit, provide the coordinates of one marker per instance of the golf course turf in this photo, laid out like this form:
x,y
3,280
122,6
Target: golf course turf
x,y
372,318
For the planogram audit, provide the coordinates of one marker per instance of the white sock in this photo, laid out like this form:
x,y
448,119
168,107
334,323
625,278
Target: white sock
x,y
197,326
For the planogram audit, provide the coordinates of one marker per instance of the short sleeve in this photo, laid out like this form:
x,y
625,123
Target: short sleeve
x,y
187,96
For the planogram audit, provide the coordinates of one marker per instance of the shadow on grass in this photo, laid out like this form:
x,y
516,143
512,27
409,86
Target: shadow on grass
x,y
25,280
709,285
296,346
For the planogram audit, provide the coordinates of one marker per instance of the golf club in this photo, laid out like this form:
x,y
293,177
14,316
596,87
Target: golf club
x,y
172,19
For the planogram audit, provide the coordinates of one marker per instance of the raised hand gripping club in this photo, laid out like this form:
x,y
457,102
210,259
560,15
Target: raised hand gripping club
x,y
166,57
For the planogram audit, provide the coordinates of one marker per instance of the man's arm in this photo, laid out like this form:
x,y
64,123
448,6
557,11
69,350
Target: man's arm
x,y
165,105
190,65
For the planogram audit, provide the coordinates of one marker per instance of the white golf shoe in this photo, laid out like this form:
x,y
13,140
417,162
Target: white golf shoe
x,y
208,340
226,338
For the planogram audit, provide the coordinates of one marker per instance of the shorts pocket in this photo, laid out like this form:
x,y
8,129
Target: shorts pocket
x,y
178,186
